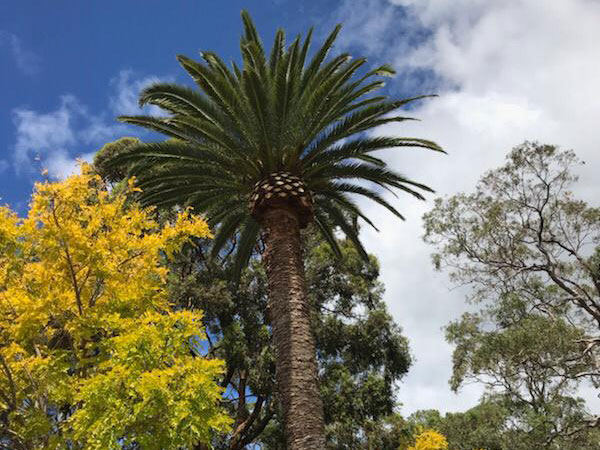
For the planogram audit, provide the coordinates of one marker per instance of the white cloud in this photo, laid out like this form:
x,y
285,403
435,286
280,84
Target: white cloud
x,y
124,100
506,71
57,139
60,164
27,61
43,133
362,25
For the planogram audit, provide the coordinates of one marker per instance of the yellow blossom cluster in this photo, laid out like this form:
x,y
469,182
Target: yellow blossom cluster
x,y
429,440
91,354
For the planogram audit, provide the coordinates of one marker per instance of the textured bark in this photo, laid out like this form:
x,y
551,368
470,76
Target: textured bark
x,y
296,363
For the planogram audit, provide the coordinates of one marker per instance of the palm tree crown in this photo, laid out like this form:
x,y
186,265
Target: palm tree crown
x,y
282,129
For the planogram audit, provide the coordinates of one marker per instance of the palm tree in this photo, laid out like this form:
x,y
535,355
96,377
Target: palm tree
x,y
264,150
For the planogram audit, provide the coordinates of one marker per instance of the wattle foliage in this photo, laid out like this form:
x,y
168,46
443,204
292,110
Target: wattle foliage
x,y
427,439
92,355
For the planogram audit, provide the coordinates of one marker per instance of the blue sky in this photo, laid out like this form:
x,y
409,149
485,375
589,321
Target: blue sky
x,y
79,64
505,71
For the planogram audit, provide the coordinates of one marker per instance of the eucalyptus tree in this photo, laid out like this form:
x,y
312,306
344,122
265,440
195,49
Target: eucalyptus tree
x,y
263,150
530,251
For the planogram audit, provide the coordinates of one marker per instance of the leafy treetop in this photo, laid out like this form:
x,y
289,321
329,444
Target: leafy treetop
x,y
427,439
529,249
92,355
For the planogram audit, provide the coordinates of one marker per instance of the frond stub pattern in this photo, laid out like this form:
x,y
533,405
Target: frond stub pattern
x,y
282,190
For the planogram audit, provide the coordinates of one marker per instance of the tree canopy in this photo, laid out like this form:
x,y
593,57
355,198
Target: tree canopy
x,y
92,353
361,352
529,250
285,113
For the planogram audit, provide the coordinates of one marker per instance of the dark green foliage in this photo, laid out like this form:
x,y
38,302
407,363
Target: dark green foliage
x,y
110,172
361,352
282,112
483,426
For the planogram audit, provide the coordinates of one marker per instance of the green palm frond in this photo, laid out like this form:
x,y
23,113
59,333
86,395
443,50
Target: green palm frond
x,y
285,111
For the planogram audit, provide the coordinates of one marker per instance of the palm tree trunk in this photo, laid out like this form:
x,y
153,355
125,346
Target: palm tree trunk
x,y
296,364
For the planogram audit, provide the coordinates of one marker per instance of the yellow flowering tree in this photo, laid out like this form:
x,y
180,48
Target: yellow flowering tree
x,y
429,440
92,356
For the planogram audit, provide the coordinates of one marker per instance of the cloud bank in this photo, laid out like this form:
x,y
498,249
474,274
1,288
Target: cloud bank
x,y
55,140
26,61
506,71
127,88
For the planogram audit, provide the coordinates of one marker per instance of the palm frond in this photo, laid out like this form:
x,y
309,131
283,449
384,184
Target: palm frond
x,y
282,112
248,236
338,218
